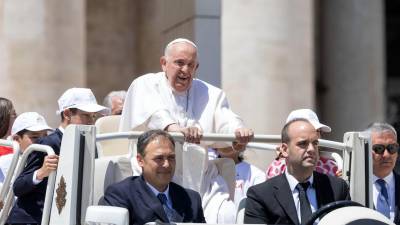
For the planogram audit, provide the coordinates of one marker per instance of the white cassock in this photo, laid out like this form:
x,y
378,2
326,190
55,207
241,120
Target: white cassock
x,y
152,104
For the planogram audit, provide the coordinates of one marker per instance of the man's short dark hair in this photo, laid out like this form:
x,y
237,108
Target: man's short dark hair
x,y
73,112
285,130
22,132
148,136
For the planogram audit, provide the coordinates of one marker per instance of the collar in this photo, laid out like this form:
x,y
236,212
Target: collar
x,y
61,129
293,181
389,179
156,192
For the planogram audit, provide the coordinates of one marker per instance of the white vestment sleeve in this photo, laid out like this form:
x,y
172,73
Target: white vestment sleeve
x,y
160,120
226,121
142,100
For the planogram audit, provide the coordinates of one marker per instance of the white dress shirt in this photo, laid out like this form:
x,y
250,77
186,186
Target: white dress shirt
x,y
311,194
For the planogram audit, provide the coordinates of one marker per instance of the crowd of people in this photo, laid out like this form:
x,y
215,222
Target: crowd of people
x,y
296,184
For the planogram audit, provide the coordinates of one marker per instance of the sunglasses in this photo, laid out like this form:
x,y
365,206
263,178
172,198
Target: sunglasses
x,y
380,149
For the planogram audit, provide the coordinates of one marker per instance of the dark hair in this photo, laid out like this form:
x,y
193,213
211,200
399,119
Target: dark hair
x,y
148,136
6,108
285,130
73,111
22,132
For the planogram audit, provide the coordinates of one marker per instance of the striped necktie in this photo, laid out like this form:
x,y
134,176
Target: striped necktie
x,y
382,203
163,199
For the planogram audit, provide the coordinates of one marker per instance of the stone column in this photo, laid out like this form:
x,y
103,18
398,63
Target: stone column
x,y
111,45
197,20
42,52
352,64
268,60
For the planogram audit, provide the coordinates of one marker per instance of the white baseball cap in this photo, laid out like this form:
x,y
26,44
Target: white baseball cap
x,y
31,121
309,115
80,98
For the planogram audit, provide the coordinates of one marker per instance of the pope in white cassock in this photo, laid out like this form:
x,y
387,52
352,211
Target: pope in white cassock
x,y
174,101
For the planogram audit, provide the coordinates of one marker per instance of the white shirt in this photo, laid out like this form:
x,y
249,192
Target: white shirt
x,y
311,194
247,175
390,186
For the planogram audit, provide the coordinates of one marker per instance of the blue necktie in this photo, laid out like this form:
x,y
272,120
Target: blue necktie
x,y
163,199
382,204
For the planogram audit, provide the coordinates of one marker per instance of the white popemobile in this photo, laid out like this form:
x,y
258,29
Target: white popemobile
x,y
74,190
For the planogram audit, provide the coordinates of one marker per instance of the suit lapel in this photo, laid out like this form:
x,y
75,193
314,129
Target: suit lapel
x,y
284,196
323,190
150,200
177,203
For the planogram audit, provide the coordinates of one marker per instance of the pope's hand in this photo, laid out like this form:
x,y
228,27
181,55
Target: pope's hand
x,y
191,134
244,135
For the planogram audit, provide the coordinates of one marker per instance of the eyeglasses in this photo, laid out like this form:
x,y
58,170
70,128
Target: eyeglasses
x,y
380,149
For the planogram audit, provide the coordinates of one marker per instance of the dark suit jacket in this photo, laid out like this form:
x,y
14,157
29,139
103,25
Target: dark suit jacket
x,y
29,205
397,198
143,206
272,202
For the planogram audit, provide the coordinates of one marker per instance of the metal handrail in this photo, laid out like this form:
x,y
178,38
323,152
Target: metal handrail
x,y
7,181
50,184
260,139
322,143
179,136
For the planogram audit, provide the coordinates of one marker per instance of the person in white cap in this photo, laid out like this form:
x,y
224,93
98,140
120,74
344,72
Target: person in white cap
x,y
27,128
76,106
324,165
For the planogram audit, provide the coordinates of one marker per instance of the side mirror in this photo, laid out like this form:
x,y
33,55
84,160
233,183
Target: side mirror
x,y
106,214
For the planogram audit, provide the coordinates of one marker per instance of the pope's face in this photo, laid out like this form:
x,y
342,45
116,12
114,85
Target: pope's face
x,y
158,163
180,64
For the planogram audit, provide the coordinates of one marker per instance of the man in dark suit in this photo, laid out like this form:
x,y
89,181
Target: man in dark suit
x,y
386,182
290,198
152,196
76,106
